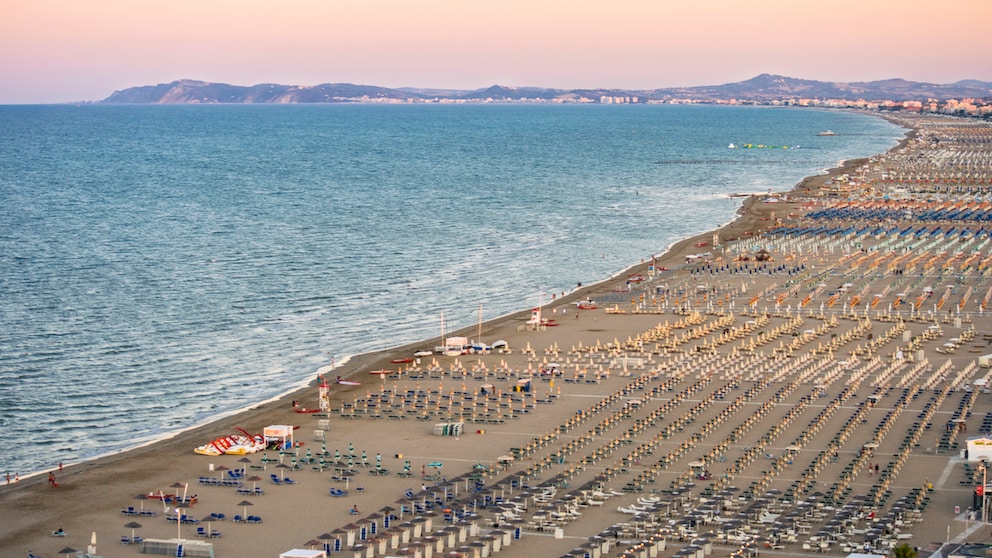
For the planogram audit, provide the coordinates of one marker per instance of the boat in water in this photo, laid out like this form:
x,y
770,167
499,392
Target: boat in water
x,y
826,133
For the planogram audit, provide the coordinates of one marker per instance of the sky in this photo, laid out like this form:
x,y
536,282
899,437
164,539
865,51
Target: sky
x,y
55,51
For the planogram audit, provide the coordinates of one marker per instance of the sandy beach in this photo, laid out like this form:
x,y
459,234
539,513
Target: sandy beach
x,y
803,379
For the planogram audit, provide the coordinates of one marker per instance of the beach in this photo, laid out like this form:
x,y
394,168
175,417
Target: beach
x,y
802,379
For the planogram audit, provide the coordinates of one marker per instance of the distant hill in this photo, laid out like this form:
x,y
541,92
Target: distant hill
x,y
762,88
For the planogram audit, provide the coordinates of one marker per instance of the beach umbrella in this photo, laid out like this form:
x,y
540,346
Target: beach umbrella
x,y
244,504
141,498
67,551
402,502
91,549
282,470
132,526
254,481
221,468
313,543
176,485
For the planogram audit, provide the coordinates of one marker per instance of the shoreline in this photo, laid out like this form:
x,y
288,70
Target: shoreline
x,y
380,359
150,464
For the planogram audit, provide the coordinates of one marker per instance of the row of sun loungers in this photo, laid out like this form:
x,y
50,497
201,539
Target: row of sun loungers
x,y
132,511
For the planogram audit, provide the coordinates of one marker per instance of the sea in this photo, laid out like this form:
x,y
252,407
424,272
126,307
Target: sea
x,y
165,266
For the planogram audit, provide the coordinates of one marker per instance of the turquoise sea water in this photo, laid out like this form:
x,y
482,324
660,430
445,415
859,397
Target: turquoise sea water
x,y
166,265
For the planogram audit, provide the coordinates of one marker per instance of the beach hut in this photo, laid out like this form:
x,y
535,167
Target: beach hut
x,y
456,346
979,448
281,433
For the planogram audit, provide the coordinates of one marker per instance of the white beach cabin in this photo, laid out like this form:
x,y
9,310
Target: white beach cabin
x,y
282,433
454,346
979,448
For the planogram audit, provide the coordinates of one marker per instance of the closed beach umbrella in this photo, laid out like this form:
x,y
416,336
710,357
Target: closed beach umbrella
x,y
180,512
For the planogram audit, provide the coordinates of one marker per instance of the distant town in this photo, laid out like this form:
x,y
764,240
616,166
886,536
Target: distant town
x,y
971,106
963,98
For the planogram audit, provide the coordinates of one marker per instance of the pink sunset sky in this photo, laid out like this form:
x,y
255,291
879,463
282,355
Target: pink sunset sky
x,y
55,51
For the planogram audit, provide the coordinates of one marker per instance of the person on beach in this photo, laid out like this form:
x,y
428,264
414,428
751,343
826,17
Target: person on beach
x,y
354,510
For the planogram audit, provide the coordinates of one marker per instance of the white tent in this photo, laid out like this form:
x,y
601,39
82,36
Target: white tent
x,y
281,433
979,448
456,344
303,553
